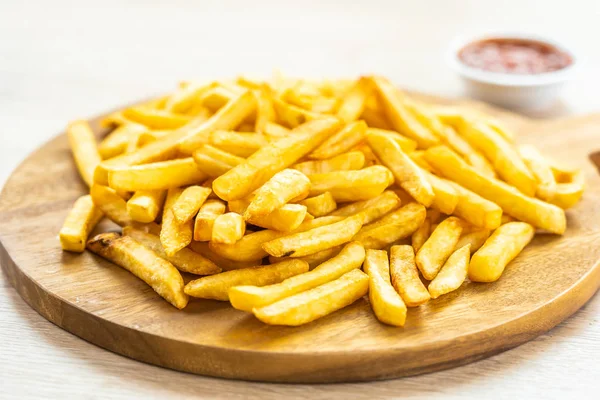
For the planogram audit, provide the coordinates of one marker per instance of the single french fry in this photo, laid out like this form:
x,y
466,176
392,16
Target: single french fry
x,y
488,263
513,202
315,303
402,120
216,98
241,144
184,260
314,240
189,202
265,113
418,156
453,273
145,205
405,276
116,142
248,248
371,209
215,162
291,115
173,235
353,103
80,222
476,210
407,145
313,260
375,118
320,205
205,219
475,239
273,130
386,303
225,264
394,226
540,168
282,188
504,157
407,174
341,142
420,236
155,119
228,117
216,287
156,176
185,98
128,253
569,193
284,219
440,245
111,204
347,186
228,228
242,179
446,197
84,149
344,162
246,298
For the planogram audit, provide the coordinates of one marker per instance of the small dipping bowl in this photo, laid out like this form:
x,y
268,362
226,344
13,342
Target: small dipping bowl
x,y
516,71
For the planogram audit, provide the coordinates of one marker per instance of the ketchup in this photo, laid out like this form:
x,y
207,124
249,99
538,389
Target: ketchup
x,y
514,56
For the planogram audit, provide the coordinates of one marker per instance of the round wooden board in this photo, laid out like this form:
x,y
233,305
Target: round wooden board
x,y
106,305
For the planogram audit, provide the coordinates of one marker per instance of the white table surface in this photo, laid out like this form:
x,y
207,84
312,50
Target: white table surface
x,y
61,60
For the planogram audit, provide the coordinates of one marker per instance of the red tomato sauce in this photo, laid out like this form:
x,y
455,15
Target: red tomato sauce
x,y
514,56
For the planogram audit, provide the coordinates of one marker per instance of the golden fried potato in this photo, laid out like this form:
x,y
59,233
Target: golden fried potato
x,y
341,142
241,144
407,174
440,245
215,162
569,193
225,264
228,228
343,162
265,113
353,103
406,145
282,188
320,205
186,97
189,202
476,210
541,170
217,97
513,202
347,186
453,273
174,236
156,176
475,239
128,253
84,149
372,209
111,204
488,263
385,301
145,205
247,298
446,197
242,179
420,236
216,287
116,142
284,219
184,260
405,276
205,219
273,130
292,116
315,303
80,222
315,259
155,119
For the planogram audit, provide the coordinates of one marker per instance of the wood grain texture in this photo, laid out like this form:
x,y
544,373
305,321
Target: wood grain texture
x,y
107,306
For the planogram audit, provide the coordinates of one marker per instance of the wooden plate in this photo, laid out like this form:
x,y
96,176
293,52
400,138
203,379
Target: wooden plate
x,y
109,307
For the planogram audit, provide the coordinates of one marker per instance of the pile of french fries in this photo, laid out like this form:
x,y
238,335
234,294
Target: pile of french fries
x,y
292,199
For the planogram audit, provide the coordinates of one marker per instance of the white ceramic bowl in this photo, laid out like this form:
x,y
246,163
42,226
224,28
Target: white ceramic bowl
x,y
515,91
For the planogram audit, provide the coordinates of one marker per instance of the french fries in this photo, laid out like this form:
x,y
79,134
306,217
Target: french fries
x,y
438,247
344,162
80,221
420,236
84,149
569,193
387,304
247,298
241,144
216,287
228,228
205,219
371,209
407,174
316,303
405,276
315,240
488,263
352,185
225,264
475,239
476,210
174,236
116,142
541,170
343,141
285,219
156,176
184,260
513,202
145,205
128,253
353,103
215,162
407,145
189,202
283,187
155,119
242,179
320,205
111,204
445,197
452,274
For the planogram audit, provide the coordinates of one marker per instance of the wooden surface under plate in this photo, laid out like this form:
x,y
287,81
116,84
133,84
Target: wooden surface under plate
x,y
106,305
